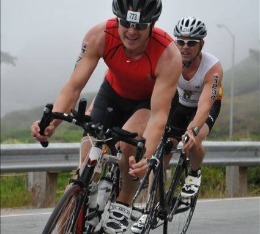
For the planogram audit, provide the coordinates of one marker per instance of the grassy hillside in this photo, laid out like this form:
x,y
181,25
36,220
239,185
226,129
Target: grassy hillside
x,y
15,127
246,120
246,76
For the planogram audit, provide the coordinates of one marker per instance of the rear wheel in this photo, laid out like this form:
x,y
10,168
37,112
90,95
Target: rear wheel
x,y
65,216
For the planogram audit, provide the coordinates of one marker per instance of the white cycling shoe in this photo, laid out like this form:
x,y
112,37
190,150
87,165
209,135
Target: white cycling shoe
x,y
138,226
192,185
117,219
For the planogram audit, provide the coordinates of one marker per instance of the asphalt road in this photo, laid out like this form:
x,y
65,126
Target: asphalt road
x,y
224,216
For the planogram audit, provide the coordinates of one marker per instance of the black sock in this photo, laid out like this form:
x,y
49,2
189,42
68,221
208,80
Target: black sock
x,y
194,173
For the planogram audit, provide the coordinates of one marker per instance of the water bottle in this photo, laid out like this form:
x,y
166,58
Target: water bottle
x,y
92,217
93,190
104,191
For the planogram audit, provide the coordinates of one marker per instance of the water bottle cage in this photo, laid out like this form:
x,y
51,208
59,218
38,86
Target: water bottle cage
x,y
77,182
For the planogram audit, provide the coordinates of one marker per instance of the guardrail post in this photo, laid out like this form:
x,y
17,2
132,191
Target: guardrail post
x,y
43,185
236,181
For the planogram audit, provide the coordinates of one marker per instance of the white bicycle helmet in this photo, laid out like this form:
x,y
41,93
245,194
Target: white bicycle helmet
x,y
190,27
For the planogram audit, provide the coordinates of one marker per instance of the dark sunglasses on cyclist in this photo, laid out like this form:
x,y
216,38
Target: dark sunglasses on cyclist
x,y
189,43
137,26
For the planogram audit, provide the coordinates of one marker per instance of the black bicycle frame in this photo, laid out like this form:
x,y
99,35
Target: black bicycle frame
x,y
181,166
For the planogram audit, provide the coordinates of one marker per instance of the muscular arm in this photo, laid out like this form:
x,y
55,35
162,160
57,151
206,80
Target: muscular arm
x,y
92,49
70,92
167,75
208,95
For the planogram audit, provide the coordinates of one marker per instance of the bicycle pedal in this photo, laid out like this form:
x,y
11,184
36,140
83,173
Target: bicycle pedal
x,y
185,201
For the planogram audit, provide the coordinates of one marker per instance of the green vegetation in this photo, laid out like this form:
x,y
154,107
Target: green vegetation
x,y
14,192
246,121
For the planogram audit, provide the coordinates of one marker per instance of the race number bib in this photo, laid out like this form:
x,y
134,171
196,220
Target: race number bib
x,y
133,16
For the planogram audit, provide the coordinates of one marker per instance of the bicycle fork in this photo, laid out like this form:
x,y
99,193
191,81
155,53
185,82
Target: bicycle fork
x,y
172,201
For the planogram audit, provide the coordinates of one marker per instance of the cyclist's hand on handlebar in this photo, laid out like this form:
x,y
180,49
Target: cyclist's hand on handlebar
x,y
189,141
137,170
35,131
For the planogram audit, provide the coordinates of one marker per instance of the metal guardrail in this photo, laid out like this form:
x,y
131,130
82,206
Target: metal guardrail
x,y
65,156
44,164
33,157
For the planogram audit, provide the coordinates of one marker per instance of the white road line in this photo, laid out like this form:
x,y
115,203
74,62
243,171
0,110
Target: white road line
x,y
228,199
30,214
200,200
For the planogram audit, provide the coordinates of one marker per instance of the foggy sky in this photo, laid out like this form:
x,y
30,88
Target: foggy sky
x,y
46,36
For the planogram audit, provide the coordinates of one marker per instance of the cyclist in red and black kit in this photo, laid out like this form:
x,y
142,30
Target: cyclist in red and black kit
x,y
144,65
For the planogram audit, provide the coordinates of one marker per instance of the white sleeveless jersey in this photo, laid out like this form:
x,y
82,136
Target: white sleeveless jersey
x,y
190,91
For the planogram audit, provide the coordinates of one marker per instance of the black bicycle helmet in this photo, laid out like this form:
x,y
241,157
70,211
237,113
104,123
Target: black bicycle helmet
x,y
190,27
150,9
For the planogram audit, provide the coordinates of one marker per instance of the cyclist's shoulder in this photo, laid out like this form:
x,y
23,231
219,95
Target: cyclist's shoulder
x,y
161,36
161,45
94,39
210,63
96,31
209,58
215,72
112,23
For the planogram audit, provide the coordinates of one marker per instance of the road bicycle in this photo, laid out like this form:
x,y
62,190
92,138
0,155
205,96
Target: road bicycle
x,y
78,208
164,203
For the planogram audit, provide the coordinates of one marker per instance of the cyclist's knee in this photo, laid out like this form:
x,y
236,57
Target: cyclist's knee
x,y
137,122
197,152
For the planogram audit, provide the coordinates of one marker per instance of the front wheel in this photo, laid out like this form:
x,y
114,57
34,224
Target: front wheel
x,y
182,215
151,210
65,216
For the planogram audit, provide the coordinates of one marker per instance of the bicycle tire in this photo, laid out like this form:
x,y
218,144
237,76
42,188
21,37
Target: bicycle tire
x,y
183,216
65,216
182,210
151,211
153,214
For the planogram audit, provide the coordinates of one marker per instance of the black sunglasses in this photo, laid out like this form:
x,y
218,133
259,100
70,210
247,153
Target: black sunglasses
x,y
189,43
137,26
